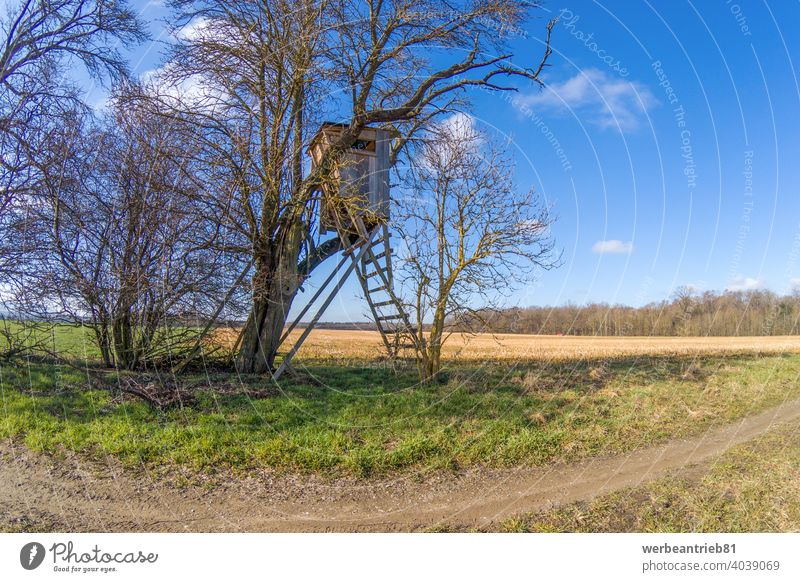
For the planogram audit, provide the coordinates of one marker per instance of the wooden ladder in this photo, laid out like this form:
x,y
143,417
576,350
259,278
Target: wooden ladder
x,y
369,253
377,281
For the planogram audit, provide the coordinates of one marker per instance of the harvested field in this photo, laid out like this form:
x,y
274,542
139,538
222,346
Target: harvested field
x,y
327,344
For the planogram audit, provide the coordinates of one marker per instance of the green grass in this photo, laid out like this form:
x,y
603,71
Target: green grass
x,y
368,421
754,487
72,341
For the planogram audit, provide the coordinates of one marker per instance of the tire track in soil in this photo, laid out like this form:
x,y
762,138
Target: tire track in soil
x,y
73,494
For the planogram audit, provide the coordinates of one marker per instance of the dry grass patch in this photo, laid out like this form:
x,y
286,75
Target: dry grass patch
x,y
754,487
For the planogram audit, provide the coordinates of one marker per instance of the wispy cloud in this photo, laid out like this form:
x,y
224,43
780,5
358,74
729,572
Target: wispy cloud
x,y
742,283
600,98
174,89
193,30
613,247
451,136
459,127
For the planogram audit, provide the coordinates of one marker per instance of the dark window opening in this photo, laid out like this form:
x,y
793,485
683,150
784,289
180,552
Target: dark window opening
x,y
364,144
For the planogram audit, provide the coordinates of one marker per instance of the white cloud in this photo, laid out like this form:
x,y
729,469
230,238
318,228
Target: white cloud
x,y
192,90
606,101
451,138
794,283
742,283
100,102
459,126
192,29
616,247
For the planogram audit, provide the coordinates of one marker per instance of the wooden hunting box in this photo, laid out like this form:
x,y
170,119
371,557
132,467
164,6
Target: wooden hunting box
x,y
359,185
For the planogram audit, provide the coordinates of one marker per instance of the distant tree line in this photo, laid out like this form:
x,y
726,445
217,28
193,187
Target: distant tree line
x,y
729,313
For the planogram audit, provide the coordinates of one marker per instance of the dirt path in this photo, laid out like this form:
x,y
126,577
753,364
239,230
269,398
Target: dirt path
x,y
37,492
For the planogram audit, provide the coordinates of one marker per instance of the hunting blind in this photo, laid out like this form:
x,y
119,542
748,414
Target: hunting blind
x,y
354,203
359,182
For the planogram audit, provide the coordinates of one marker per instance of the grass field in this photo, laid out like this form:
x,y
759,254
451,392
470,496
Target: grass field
x,y
535,401
753,487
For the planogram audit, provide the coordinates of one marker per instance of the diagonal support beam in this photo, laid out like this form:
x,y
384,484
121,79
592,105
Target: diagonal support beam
x,y
314,298
339,284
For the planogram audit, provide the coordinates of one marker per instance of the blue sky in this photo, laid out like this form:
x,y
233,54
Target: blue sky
x,y
678,123
667,142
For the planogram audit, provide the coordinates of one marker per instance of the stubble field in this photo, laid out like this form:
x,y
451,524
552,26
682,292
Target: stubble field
x,y
325,344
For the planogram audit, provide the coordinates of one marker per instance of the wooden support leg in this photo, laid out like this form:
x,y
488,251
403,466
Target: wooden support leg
x,y
288,358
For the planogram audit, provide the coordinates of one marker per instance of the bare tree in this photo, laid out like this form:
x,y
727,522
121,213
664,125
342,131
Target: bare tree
x,y
256,78
684,298
124,245
36,96
39,33
38,36
470,234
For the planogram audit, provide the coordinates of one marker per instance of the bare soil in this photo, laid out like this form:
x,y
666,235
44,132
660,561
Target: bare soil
x,y
70,493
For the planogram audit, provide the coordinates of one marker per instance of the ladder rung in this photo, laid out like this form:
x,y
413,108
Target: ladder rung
x,y
372,274
383,303
388,317
376,289
359,243
368,259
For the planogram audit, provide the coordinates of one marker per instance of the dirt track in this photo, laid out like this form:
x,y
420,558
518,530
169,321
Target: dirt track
x,y
37,492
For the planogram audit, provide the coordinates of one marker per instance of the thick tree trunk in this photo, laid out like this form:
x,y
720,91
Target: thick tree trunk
x,y
430,363
253,360
122,332
262,333
267,319
275,285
